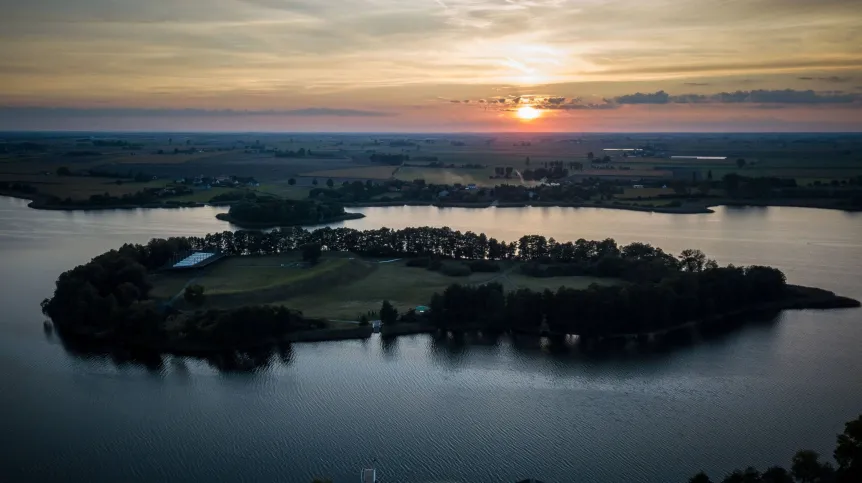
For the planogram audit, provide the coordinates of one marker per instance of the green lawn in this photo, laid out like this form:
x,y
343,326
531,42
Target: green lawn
x,y
341,286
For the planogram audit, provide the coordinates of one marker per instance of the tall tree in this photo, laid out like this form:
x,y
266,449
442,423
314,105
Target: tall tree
x,y
311,252
807,468
388,313
848,452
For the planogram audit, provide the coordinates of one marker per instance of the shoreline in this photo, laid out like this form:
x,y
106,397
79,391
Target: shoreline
x,y
41,202
799,298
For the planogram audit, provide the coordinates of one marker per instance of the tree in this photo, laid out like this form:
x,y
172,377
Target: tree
x,y
590,155
388,313
63,171
776,474
848,452
509,170
527,161
692,260
311,252
194,294
700,478
291,181
709,175
807,468
363,321
330,183
314,181
740,163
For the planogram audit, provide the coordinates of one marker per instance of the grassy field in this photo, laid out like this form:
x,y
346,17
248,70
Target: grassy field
x,y
79,188
237,275
340,287
479,177
370,172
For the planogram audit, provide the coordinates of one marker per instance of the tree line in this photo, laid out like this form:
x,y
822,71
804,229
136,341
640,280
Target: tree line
x,y
806,466
602,311
287,212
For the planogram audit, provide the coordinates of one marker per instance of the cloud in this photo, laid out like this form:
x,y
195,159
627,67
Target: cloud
x,y
696,84
834,78
759,96
660,97
48,112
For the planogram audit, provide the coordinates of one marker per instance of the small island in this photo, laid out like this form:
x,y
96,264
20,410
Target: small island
x,y
266,212
231,290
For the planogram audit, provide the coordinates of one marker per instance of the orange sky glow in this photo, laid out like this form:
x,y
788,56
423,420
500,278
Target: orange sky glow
x,y
432,65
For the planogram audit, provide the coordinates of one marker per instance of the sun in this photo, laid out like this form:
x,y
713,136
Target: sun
x,y
528,113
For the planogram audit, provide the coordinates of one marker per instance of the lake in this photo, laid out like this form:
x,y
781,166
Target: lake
x,y
436,410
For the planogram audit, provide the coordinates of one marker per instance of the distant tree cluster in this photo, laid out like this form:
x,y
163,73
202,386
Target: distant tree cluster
x,y
286,212
393,159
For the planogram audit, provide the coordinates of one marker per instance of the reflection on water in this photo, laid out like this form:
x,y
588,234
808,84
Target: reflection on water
x,y
472,407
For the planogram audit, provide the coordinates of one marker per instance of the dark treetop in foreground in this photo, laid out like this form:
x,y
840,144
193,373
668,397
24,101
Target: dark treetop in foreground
x,y
806,466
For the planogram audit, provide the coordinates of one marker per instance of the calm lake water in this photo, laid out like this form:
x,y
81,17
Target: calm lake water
x,y
435,411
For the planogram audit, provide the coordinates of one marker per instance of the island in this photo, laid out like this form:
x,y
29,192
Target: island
x,y
265,212
232,290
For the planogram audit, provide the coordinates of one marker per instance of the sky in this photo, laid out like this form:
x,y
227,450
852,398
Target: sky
x,y
431,65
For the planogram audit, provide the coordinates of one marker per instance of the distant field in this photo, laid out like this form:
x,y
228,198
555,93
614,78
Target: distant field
x,y
479,177
79,188
369,172
802,156
634,193
202,196
285,190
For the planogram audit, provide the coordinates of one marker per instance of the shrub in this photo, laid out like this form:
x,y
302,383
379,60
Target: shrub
x,y
418,262
456,270
194,294
484,266
434,264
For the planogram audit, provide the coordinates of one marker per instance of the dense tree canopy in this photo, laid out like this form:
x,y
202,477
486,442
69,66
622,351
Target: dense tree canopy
x,y
286,212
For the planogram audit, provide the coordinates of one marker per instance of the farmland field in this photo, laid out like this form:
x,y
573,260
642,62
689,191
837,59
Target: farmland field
x,y
808,157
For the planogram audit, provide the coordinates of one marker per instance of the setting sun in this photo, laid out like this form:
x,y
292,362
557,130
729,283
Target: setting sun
x,y
528,113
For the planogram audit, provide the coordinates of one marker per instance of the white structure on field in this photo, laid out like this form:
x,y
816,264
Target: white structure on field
x,y
194,259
